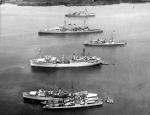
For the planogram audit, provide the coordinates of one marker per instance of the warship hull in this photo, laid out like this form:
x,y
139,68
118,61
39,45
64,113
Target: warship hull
x,y
108,44
61,65
70,32
79,15
27,96
34,97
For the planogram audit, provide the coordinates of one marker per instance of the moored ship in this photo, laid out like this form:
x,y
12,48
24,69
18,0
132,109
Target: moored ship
x,y
77,100
104,42
45,95
71,29
84,13
74,61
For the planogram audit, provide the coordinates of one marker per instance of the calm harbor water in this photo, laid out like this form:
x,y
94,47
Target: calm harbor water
x,y
126,79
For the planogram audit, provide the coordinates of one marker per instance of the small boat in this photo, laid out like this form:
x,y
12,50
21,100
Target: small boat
x,y
84,13
74,61
108,100
105,63
79,100
104,42
44,95
71,29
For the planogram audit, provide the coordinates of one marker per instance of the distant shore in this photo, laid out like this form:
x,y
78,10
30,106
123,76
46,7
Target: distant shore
x,y
54,3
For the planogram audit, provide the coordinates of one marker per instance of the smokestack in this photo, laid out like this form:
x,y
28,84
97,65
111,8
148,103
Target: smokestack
x,y
83,51
69,25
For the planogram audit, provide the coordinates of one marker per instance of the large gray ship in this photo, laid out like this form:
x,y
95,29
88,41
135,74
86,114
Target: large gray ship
x,y
74,61
84,13
62,100
71,29
78,100
45,95
104,42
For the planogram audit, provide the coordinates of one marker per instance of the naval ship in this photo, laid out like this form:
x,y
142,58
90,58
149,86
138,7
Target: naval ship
x,y
77,100
71,29
62,100
84,13
74,61
104,42
45,95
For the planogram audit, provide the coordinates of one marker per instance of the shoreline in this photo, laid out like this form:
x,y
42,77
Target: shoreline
x,y
68,3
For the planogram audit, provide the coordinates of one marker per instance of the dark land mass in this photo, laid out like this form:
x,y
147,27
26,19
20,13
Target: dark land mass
x,y
69,2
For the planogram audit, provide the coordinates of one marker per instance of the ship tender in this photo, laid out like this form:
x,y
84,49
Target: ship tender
x,y
75,61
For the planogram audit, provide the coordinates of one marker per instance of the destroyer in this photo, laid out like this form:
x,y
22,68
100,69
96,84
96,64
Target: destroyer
x,y
71,29
84,13
74,61
104,42
77,100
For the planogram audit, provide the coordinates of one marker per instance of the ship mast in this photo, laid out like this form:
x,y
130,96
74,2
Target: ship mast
x,y
84,23
40,53
113,36
85,9
65,23
63,57
72,87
